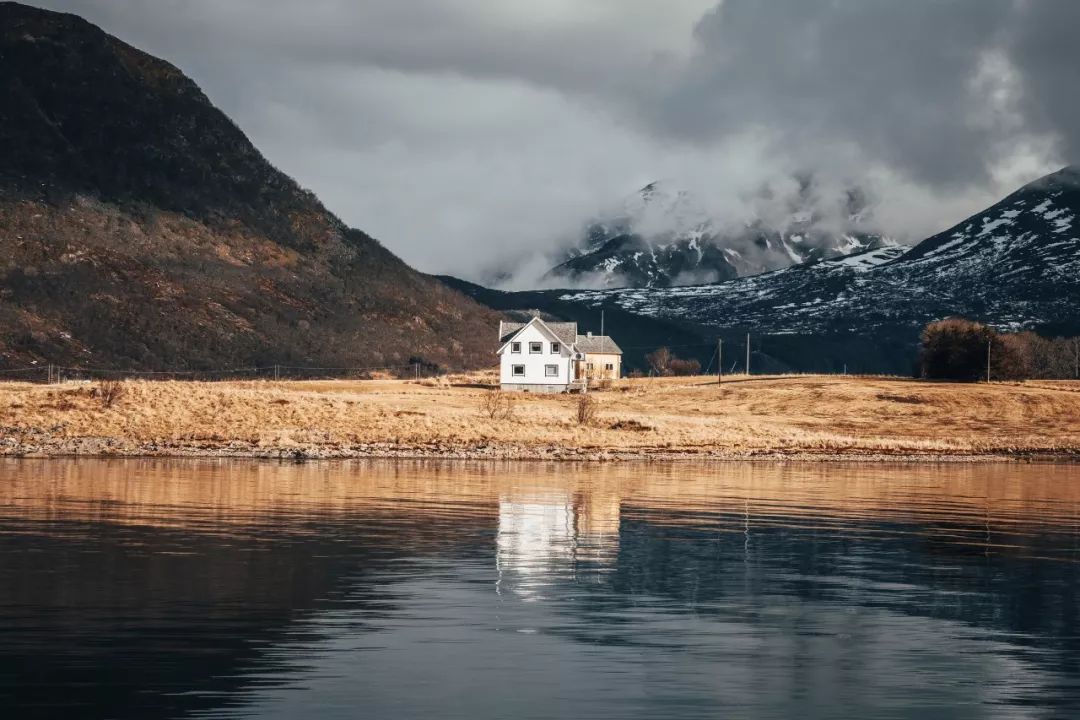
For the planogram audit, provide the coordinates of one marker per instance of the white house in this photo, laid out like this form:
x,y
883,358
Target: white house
x,y
541,356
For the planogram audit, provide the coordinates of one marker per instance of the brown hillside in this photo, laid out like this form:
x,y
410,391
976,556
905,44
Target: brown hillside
x,y
140,228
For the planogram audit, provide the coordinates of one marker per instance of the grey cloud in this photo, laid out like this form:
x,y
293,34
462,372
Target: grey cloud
x,y
891,77
1043,44
467,133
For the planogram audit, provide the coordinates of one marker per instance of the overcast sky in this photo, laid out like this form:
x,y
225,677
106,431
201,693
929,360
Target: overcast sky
x,y
464,133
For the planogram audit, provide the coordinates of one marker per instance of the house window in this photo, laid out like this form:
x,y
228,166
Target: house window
x,y
589,366
551,371
609,366
556,348
519,371
536,348
515,347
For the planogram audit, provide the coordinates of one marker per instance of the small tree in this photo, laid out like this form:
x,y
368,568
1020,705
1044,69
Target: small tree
x,y
659,360
497,405
109,392
954,349
586,409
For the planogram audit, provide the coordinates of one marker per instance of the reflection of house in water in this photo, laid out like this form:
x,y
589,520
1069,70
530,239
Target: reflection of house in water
x,y
544,539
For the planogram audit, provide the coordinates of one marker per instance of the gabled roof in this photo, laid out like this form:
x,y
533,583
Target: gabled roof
x,y
566,333
597,344
508,330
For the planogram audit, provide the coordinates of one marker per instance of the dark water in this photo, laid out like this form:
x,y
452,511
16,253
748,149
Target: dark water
x,y
146,589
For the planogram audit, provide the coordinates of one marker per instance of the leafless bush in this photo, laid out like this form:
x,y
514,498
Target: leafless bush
x,y
659,360
497,405
586,409
958,349
664,362
678,366
109,392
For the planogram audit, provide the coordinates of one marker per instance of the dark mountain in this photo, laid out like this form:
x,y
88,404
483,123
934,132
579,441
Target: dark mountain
x,y
665,237
1015,266
140,228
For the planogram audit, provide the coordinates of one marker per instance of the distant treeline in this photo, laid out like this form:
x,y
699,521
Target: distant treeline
x,y
959,349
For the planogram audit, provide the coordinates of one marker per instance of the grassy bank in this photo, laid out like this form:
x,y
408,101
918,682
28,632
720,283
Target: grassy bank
x,y
802,417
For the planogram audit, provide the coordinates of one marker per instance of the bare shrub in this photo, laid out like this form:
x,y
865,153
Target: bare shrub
x,y
684,367
659,360
586,409
497,405
956,349
109,392
664,362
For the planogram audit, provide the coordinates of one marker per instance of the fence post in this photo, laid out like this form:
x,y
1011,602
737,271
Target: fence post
x,y
719,361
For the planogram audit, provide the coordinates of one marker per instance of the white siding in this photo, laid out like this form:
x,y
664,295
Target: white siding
x,y
534,363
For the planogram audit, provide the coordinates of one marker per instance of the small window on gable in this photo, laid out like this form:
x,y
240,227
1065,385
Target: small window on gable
x,y
535,348
556,348
515,347
519,371
551,371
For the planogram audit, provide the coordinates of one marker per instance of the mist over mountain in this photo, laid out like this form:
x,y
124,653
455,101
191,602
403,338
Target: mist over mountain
x,y
664,235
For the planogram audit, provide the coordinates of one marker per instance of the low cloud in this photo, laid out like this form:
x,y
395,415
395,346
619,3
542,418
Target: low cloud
x,y
468,135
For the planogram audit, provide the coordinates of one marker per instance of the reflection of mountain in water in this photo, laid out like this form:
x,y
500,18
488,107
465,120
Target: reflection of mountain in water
x,y
169,589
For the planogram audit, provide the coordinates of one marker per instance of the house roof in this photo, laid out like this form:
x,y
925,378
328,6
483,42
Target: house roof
x,y
507,330
597,344
567,334
565,331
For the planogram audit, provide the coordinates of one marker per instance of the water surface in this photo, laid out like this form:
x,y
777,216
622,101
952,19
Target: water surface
x,y
136,589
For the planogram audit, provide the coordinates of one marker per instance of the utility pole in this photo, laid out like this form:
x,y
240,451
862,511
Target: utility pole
x,y
719,361
989,344
747,353
277,373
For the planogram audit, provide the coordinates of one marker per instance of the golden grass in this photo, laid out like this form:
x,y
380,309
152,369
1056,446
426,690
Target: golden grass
x,y
805,415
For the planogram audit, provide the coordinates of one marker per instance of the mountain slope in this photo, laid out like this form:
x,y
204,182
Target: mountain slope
x,y
140,228
1015,265
665,237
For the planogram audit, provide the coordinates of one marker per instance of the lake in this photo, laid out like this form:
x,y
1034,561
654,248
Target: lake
x,y
228,589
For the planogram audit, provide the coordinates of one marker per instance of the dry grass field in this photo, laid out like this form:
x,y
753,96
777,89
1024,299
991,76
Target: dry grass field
x,y
759,416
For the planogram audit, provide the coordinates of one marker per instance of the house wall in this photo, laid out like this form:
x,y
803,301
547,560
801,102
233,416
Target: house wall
x,y
599,362
534,364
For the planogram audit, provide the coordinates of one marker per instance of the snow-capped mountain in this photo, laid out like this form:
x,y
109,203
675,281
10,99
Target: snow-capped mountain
x,y
1015,265
663,236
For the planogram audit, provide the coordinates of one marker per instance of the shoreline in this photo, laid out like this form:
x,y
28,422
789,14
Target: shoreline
x,y
104,448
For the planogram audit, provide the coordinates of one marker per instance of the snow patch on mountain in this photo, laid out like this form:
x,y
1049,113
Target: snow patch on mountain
x,y
1012,265
664,236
